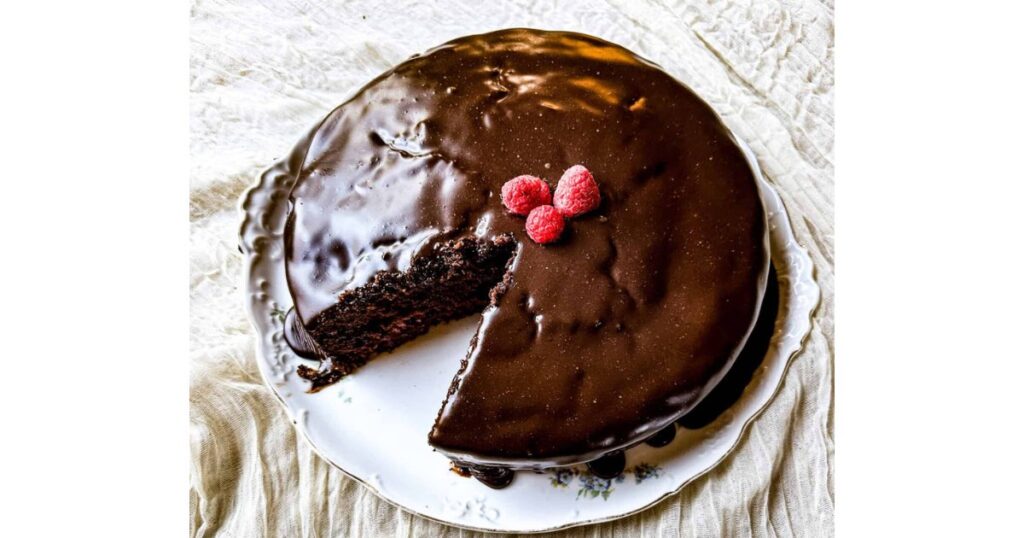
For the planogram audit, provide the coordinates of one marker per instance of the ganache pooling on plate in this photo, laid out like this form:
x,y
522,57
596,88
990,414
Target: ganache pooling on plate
x,y
586,346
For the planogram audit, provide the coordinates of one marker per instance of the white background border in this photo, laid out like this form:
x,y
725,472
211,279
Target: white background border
x,y
94,126
929,268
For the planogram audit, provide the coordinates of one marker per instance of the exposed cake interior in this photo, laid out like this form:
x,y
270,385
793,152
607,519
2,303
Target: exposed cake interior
x,y
460,278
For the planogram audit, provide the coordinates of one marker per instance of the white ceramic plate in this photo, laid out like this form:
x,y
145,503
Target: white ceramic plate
x,y
373,424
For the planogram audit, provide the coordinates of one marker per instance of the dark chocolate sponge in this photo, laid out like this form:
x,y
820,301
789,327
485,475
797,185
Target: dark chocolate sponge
x,y
586,346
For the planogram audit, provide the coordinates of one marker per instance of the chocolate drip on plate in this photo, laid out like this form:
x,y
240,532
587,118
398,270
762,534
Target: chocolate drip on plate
x,y
608,466
663,437
460,470
493,477
298,339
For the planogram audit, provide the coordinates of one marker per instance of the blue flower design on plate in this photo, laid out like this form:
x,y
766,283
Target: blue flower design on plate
x,y
643,471
562,477
592,487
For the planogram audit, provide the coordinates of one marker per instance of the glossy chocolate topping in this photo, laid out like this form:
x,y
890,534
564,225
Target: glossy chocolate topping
x,y
602,338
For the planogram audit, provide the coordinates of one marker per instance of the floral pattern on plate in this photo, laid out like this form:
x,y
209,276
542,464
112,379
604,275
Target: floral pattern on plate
x,y
592,486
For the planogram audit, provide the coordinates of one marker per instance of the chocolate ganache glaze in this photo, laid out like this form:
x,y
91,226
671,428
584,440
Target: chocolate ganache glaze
x,y
596,342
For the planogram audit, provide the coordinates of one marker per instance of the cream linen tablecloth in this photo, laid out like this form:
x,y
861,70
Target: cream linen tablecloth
x,y
262,73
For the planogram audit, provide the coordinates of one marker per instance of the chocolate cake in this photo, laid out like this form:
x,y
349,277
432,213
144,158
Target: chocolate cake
x,y
587,345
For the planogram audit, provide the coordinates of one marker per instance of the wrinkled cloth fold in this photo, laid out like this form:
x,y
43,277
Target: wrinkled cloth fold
x,y
262,73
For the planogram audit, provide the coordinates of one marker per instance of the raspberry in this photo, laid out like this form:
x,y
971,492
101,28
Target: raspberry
x,y
577,192
522,194
544,224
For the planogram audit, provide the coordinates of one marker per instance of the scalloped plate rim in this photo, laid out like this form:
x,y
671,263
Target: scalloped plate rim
x,y
803,317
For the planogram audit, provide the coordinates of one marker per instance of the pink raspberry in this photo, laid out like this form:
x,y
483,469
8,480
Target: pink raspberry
x,y
544,224
577,192
522,194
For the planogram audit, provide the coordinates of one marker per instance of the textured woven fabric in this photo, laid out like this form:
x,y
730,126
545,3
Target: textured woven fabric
x,y
263,72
